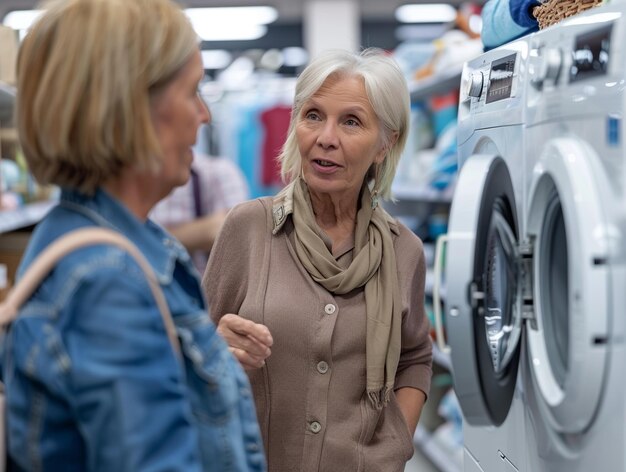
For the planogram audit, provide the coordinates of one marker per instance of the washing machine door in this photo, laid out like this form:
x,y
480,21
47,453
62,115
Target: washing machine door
x,y
483,317
567,341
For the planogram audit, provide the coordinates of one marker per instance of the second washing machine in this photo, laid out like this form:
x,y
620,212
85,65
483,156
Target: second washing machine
x,y
536,257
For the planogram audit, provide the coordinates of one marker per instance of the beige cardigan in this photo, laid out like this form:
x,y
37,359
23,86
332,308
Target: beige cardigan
x,y
310,396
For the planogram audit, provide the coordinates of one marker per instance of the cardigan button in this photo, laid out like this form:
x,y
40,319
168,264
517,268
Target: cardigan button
x,y
322,367
315,427
330,309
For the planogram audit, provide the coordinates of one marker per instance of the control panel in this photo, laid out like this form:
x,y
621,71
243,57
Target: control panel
x,y
493,80
590,54
501,79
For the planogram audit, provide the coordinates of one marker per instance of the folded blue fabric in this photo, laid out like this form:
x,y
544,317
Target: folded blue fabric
x,y
522,12
506,20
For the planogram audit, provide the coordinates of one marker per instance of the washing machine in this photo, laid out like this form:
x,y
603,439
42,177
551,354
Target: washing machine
x,y
575,370
535,260
485,224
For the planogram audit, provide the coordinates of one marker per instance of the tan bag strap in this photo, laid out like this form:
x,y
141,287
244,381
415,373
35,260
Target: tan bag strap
x,y
72,241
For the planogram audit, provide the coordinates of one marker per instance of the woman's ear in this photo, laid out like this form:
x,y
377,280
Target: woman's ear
x,y
388,145
392,140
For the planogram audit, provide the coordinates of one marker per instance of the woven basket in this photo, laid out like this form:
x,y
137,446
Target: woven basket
x,y
553,11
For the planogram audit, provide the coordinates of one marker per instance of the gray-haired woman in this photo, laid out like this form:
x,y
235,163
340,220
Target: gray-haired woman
x,y
336,280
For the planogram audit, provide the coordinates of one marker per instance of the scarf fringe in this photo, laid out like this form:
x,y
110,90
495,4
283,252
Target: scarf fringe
x,y
380,398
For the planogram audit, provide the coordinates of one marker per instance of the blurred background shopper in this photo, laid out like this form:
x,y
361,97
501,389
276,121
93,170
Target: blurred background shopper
x,y
194,212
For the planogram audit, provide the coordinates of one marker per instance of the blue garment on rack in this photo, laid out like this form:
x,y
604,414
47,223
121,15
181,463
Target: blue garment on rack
x,y
249,135
506,20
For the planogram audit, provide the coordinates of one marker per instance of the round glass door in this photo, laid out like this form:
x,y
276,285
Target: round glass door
x,y
567,340
483,292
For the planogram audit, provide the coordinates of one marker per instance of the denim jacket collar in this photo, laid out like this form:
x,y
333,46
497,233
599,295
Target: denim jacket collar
x,y
159,247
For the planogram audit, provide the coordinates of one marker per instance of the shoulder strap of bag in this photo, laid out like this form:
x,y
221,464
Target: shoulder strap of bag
x,y
197,193
72,241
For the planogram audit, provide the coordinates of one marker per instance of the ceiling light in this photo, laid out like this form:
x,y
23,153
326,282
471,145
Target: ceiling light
x,y
211,24
231,23
21,19
228,32
234,15
295,56
426,13
216,58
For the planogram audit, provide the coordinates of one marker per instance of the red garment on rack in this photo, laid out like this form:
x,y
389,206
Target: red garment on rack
x,y
275,123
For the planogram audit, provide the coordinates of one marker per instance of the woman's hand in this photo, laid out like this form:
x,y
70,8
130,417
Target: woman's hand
x,y
249,342
411,401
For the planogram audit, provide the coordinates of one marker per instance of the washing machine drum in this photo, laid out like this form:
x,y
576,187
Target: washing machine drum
x,y
542,286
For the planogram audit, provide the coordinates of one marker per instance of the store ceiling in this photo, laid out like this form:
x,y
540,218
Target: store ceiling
x,y
378,26
289,10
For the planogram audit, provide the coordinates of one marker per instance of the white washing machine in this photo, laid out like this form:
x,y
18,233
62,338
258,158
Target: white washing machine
x,y
484,325
575,371
536,302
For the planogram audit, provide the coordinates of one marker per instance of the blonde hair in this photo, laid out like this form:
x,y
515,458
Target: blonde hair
x,y
386,90
86,72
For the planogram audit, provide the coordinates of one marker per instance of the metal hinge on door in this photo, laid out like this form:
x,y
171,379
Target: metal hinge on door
x,y
525,250
475,296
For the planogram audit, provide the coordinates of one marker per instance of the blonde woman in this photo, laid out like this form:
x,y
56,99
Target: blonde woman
x,y
108,110
338,283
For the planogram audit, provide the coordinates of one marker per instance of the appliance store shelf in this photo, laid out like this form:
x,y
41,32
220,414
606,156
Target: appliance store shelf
x,y
27,215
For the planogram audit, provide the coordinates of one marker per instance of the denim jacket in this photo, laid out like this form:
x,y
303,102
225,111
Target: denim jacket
x,y
92,382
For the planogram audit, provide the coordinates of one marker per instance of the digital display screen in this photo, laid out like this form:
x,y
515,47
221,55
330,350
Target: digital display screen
x,y
590,57
501,78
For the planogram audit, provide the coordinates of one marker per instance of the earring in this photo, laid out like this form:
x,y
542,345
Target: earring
x,y
374,198
375,190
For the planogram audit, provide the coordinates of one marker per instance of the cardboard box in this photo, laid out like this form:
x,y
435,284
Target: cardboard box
x,y
12,246
9,44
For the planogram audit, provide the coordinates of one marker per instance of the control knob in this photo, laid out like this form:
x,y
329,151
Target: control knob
x,y
475,84
549,68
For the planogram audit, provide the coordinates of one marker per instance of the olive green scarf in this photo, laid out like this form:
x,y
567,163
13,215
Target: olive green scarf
x,y
373,266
